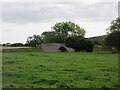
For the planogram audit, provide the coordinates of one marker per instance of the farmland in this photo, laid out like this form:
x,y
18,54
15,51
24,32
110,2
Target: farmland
x,y
29,68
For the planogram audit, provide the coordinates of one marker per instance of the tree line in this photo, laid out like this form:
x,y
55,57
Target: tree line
x,y
72,35
68,33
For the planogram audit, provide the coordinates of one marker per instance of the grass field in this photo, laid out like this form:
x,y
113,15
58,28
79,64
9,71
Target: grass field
x,y
35,69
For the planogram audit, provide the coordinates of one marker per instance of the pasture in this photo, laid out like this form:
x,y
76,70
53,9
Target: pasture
x,y
29,68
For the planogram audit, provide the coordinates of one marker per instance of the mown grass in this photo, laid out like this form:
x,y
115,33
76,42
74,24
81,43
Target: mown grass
x,y
35,69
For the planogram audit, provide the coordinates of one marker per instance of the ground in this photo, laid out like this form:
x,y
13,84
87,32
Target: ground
x,y
36,69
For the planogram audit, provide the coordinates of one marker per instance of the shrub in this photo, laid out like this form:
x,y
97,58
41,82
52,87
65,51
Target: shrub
x,y
88,46
113,40
16,44
79,43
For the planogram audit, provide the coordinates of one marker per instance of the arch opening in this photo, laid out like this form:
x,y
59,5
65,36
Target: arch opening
x,y
62,49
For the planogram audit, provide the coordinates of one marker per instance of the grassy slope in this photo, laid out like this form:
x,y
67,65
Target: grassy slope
x,y
59,70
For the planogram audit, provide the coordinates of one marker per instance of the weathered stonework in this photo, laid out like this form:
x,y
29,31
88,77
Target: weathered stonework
x,y
54,47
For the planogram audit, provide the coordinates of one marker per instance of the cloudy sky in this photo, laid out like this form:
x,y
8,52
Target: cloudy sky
x,y
20,20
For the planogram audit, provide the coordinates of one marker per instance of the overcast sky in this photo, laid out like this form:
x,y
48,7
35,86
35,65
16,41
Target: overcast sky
x,y
23,19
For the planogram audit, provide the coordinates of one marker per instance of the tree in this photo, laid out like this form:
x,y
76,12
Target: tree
x,y
60,31
115,26
89,46
34,40
68,28
48,37
52,37
112,39
79,43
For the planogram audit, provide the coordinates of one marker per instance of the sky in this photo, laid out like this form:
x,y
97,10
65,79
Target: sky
x,y
20,19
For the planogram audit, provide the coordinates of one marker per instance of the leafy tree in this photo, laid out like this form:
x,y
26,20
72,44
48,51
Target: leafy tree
x,y
48,36
68,28
52,37
96,42
60,31
79,43
89,46
115,26
34,40
113,38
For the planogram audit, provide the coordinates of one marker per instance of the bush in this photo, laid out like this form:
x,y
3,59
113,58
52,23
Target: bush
x,y
26,44
16,44
89,46
113,40
79,43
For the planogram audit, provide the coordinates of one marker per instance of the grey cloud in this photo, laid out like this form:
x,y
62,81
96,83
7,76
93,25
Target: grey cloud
x,y
102,11
39,12
119,9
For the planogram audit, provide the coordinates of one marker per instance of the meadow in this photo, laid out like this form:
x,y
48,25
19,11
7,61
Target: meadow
x,y
29,68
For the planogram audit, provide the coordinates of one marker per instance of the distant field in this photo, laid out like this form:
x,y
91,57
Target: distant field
x,y
13,47
35,69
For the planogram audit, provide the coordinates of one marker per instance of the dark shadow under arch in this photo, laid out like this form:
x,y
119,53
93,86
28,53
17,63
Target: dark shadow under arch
x,y
62,49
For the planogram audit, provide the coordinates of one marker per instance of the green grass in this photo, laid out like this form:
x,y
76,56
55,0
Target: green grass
x,y
34,69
